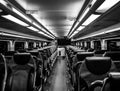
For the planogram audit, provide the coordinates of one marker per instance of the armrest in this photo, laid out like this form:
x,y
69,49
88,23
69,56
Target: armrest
x,y
97,83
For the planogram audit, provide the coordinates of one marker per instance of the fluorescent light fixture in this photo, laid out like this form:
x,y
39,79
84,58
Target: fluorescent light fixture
x,y
12,35
90,19
3,2
83,15
14,19
74,33
44,34
107,4
112,30
86,11
37,25
32,28
21,14
99,33
78,30
19,36
93,2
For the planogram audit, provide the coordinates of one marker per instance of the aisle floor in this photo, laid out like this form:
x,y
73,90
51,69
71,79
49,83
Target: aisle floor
x,y
59,79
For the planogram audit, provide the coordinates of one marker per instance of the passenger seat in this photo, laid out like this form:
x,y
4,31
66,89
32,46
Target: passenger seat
x,y
22,77
112,82
3,72
96,68
115,56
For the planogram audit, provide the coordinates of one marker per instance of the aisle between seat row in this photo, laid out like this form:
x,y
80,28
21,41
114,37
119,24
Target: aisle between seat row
x,y
59,81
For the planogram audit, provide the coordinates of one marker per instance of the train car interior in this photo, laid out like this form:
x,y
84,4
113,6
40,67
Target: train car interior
x,y
59,45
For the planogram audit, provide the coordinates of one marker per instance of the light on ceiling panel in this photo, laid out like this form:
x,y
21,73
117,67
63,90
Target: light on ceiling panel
x,y
14,35
107,4
44,34
75,9
90,19
36,25
100,33
83,15
32,28
3,2
86,11
80,28
74,33
22,15
14,19
112,30
93,2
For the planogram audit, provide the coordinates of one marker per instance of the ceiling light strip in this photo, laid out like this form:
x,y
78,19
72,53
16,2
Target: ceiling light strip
x,y
23,19
103,31
38,24
80,14
43,27
107,5
14,19
92,9
78,30
19,36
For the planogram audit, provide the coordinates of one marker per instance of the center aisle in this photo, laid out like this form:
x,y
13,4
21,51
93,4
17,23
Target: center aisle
x,y
59,80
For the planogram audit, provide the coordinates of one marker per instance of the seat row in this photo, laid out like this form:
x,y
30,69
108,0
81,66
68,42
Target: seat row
x,y
87,67
24,71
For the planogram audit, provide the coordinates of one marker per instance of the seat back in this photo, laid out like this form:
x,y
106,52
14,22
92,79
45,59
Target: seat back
x,y
95,68
22,50
36,53
82,55
3,72
9,56
38,60
99,52
23,73
98,65
9,53
112,82
115,55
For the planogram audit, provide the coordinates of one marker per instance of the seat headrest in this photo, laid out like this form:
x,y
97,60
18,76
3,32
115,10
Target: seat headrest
x,y
80,50
98,65
82,55
115,55
100,51
34,53
9,53
90,50
22,50
114,81
114,75
22,58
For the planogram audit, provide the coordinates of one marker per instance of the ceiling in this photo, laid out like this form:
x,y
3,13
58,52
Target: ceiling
x,y
56,15
58,18
106,20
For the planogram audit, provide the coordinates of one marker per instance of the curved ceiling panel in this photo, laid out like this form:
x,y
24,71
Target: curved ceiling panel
x,y
57,16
